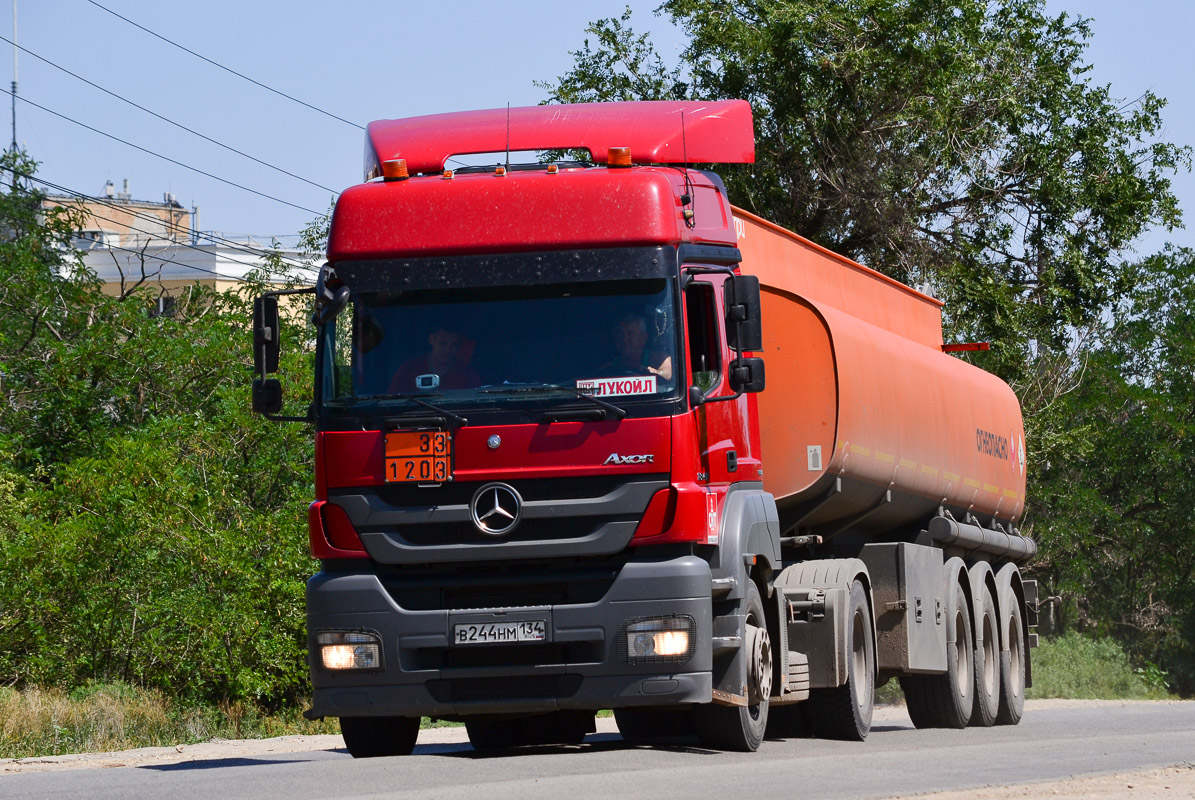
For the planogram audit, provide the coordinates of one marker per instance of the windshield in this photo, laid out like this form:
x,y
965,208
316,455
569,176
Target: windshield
x,y
502,345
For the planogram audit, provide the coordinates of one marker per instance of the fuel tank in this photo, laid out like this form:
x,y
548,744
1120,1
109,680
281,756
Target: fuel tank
x,y
866,424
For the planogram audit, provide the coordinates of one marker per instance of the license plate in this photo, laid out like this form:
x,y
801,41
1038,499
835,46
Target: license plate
x,y
418,457
534,630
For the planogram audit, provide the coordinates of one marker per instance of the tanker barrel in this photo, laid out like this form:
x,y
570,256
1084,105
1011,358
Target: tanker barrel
x,y
972,537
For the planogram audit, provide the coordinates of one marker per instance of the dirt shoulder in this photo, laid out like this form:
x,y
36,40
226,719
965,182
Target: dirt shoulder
x,y
1171,778
1170,783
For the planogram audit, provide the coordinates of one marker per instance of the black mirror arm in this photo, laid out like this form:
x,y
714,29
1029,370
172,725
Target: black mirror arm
x,y
734,396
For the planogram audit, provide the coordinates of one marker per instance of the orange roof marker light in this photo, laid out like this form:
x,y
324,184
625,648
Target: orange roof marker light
x,y
553,169
618,157
395,170
500,171
448,174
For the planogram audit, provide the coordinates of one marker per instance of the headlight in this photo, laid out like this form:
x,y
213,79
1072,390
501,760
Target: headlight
x,y
341,650
658,640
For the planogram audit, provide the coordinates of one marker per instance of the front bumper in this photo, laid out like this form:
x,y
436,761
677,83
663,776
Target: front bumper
x,y
579,665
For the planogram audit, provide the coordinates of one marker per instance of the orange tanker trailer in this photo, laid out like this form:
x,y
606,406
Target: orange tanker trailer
x,y
866,423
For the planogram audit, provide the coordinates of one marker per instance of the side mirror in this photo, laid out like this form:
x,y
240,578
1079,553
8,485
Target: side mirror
x,y
265,335
267,396
744,330
746,375
696,396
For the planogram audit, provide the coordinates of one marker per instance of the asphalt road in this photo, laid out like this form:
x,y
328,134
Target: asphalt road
x,y
1049,744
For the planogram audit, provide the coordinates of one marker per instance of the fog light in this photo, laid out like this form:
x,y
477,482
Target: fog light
x,y
341,650
659,639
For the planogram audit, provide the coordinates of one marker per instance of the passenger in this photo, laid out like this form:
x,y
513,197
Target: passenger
x,y
441,368
634,355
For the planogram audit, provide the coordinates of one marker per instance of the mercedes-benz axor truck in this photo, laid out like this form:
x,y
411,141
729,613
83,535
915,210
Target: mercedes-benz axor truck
x,y
552,476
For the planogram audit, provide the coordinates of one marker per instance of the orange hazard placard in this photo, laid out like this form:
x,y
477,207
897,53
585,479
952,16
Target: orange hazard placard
x,y
418,456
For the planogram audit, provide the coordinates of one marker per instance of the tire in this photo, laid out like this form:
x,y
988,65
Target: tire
x,y
742,728
373,737
845,712
1012,670
987,664
945,701
651,725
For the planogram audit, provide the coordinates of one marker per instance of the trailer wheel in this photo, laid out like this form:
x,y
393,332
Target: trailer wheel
x,y
1012,672
650,725
844,712
944,701
372,737
742,728
987,664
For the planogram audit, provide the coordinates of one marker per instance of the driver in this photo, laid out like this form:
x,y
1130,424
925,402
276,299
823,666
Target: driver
x,y
634,355
442,361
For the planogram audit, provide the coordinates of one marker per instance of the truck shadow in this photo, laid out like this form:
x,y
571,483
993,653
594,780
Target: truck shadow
x,y
601,742
221,763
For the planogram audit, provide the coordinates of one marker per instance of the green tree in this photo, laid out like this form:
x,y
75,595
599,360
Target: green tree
x,y
1121,500
152,528
959,144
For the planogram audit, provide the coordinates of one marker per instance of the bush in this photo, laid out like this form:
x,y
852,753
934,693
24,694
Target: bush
x,y
1078,666
173,559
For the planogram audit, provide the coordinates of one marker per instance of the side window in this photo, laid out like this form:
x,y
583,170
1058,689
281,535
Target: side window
x,y
704,348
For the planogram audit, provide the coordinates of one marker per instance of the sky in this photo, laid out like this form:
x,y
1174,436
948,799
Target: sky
x,y
364,60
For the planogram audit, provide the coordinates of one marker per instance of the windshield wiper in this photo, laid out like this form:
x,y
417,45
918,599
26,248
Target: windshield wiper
x,y
458,419
515,388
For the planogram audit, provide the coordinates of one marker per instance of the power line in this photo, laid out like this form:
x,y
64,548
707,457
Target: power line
x,y
164,158
149,217
226,69
166,119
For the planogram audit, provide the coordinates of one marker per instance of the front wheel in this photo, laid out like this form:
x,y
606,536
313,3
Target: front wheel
x,y
844,712
742,728
373,737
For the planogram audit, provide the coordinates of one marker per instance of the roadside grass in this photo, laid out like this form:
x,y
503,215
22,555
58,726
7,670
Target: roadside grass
x,y
1078,667
107,717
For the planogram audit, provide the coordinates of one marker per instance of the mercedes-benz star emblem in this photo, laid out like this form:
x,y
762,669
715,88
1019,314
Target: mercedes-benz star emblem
x,y
494,442
496,508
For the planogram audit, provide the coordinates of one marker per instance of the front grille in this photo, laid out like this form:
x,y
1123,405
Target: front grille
x,y
589,516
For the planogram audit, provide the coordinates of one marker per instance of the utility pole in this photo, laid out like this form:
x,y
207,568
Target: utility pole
x,y
14,78
14,95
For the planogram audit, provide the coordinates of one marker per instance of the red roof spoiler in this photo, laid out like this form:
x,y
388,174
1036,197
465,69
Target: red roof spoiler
x,y
715,132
